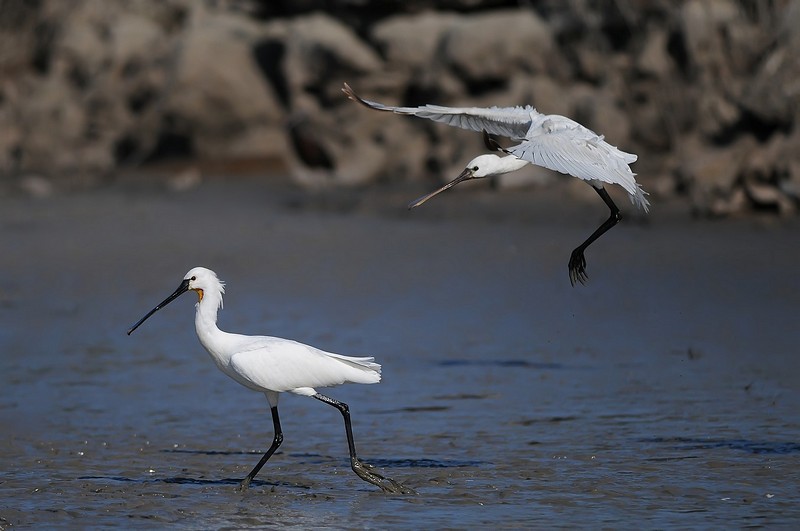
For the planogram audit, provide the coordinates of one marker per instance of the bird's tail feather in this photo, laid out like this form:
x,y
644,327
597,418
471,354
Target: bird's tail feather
x,y
367,370
639,200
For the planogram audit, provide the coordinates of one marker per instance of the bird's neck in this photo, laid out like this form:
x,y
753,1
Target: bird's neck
x,y
205,319
510,163
214,340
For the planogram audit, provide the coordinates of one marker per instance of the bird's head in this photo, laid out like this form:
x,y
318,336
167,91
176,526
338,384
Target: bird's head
x,y
482,166
479,167
200,280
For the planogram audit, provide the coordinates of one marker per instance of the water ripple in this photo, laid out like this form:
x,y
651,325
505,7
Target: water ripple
x,y
752,447
499,363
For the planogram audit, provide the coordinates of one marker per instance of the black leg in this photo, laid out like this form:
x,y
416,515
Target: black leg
x,y
362,469
276,423
577,262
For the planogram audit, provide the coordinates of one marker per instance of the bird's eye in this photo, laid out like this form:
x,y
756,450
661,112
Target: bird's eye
x,y
474,168
193,278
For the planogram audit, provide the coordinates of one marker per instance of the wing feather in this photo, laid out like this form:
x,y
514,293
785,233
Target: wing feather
x,y
283,365
511,122
563,145
552,141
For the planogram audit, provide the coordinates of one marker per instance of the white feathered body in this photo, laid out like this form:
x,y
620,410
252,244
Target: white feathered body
x,y
265,364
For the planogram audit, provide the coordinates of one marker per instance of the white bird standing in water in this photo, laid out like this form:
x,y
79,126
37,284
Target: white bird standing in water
x,y
552,141
273,365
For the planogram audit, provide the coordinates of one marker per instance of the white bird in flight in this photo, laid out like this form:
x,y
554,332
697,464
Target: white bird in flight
x,y
272,365
549,140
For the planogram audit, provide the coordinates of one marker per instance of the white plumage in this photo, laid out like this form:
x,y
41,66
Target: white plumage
x,y
265,363
273,365
552,141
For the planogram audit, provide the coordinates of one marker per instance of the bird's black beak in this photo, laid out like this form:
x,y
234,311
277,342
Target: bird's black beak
x,y
464,176
183,288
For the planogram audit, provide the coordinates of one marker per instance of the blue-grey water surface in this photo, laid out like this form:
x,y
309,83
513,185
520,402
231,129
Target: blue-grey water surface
x,y
664,393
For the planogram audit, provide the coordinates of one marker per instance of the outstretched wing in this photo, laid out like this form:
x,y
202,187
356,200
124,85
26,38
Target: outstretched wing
x,y
511,122
561,144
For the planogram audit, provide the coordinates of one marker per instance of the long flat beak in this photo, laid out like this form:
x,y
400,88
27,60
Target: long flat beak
x,y
464,176
183,288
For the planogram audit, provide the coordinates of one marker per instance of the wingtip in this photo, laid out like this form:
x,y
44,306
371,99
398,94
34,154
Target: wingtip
x,y
351,94
348,90
639,199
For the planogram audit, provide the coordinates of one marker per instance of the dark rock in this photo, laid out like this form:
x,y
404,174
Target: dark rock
x,y
703,91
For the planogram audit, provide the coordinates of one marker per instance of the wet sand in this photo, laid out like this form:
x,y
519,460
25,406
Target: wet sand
x,y
665,392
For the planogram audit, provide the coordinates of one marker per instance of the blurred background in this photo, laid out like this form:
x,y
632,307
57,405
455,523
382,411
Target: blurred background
x,y
140,138
706,92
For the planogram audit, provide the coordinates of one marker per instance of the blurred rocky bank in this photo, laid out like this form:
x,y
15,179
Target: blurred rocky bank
x,y
706,92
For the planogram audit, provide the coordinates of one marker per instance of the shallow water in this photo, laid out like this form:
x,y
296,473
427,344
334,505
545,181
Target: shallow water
x,y
666,392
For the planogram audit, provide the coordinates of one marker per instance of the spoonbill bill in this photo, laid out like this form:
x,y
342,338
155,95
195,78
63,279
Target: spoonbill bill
x,y
549,140
272,365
